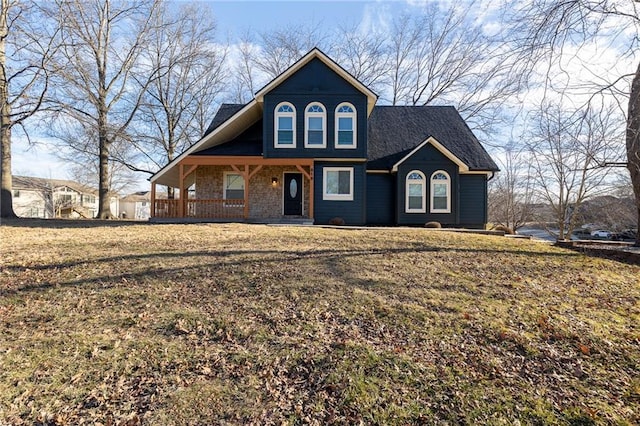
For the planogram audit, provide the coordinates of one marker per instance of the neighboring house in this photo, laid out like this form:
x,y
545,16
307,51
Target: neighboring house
x,y
46,198
49,198
312,145
137,205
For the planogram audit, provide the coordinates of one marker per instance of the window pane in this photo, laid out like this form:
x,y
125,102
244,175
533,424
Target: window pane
x,y
315,137
345,108
345,123
315,123
344,184
440,190
415,176
315,108
285,137
345,137
235,194
415,203
234,182
285,108
440,203
285,123
415,190
332,182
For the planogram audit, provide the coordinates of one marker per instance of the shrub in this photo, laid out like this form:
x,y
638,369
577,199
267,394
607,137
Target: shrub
x,y
338,221
504,229
432,225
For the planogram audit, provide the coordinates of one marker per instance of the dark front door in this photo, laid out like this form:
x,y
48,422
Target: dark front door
x,y
292,194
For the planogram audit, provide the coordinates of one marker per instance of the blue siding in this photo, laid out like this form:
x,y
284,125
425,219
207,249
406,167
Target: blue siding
x,y
315,82
428,159
353,212
473,201
381,199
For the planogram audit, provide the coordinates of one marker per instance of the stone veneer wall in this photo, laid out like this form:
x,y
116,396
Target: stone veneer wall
x,y
265,200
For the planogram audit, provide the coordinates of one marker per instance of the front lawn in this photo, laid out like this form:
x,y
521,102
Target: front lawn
x,y
241,324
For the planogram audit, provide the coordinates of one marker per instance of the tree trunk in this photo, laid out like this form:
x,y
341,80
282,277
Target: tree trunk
x,y
6,201
633,143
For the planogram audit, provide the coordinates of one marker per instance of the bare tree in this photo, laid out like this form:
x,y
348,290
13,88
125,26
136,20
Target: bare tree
x,y
548,28
567,148
177,105
26,45
445,56
364,55
511,191
103,41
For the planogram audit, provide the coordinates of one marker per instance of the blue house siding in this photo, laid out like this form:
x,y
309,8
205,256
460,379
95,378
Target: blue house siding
x,y
315,82
473,201
427,160
381,199
353,212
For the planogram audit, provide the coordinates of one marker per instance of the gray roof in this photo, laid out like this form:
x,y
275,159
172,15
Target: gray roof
x,y
224,113
396,130
393,132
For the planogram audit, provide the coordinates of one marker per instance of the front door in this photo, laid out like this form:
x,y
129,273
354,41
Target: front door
x,y
292,194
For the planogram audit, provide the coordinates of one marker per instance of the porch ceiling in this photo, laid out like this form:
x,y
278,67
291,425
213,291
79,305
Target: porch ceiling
x,y
250,114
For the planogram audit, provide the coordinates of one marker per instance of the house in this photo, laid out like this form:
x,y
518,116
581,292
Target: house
x,y
137,205
313,146
35,197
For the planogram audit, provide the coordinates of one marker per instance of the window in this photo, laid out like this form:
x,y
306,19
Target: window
x,y
337,183
234,189
285,126
345,126
415,192
315,119
65,198
440,192
89,199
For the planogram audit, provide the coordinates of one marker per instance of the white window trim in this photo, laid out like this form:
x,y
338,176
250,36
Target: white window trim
x,y
337,197
353,116
422,209
431,193
276,115
224,188
307,115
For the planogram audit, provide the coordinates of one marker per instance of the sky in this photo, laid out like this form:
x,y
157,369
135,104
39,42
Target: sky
x,y
233,19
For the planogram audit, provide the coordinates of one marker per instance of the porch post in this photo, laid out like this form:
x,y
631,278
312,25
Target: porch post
x,y
246,191
153,199
311,185
182,199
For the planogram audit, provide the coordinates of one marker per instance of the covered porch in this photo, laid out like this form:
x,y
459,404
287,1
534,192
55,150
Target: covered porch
x,y
236,188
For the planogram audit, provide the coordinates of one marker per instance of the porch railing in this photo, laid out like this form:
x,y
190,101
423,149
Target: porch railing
x,y
206,208
166,208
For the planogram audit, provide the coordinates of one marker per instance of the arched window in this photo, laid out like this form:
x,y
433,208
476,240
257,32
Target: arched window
x,y
415,192
315,118
285,126
345,126
440,192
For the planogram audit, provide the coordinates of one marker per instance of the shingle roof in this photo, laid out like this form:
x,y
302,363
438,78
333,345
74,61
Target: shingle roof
x,y
37,183
224,113
394,131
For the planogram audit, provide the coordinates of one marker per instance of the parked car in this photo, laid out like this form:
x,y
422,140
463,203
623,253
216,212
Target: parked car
x,y
601,233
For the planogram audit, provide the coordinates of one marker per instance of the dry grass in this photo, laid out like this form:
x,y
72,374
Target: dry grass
x,y
237,324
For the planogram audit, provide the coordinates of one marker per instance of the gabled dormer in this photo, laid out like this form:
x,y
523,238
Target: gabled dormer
x,y
315,109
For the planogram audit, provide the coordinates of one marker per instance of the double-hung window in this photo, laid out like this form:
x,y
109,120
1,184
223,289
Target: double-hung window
x,y
440,192
345,126
233,189
337,183
315,118
415,192
285,126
